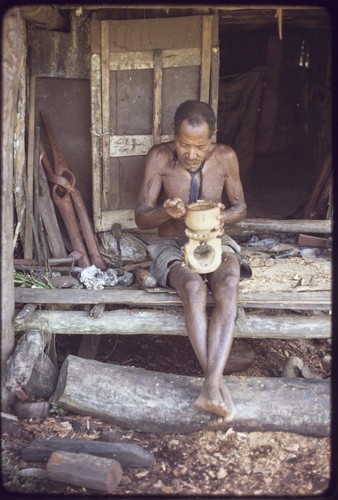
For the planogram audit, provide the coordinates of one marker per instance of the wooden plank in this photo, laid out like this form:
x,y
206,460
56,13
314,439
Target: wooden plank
x,y
157,322
285,225
133,145
245,227
141,298
205,58
96,123
214,83
105,110
28,244
148,401
157,99
121,61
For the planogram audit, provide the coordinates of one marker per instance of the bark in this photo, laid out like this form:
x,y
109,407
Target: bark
x,y
164,403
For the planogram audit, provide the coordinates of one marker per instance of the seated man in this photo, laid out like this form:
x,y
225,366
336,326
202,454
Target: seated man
x,y
177,173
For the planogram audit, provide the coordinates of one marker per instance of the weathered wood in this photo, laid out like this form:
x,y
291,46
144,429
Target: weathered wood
x,y
105,110
157,322
28,244
43,378
29,368
10,424
26,311
128,454
157,99
155,402
206,43
96,120
285,225
246,227
145,59
84,470
12,46
320,300
36,409
311,207
47,212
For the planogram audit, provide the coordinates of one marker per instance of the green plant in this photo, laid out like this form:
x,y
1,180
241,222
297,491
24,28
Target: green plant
x,y
57,410
31,281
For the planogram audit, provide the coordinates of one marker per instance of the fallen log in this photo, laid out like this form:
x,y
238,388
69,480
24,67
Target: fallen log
x,y
128,454
158,322
155,402
86,471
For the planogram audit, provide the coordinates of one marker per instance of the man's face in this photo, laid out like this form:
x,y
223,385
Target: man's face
x,y
192,144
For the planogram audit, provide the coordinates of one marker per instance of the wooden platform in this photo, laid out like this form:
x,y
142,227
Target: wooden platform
x,y
262,315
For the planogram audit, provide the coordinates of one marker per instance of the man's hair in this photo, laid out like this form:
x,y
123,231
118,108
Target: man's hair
x,y
195,112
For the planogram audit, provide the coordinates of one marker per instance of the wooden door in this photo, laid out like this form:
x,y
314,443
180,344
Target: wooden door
x,y
141,70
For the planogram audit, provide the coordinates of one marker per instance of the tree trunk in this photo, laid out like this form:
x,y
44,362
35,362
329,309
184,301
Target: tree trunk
x,y
163,403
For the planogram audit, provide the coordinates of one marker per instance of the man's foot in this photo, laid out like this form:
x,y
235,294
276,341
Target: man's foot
x,y
211,400
224,390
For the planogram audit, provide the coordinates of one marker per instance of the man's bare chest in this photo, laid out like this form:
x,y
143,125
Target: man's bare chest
x,y
177,183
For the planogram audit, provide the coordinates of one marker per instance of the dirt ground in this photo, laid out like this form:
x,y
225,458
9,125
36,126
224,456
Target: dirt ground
x,y
207,463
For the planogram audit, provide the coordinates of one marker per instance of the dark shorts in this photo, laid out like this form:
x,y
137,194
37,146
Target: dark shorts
x,y
168,251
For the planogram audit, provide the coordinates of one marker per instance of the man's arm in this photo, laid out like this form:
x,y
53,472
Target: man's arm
x,y
233,190
147,214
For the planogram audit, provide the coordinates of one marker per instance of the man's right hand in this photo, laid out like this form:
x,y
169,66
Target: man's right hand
x,y
175,207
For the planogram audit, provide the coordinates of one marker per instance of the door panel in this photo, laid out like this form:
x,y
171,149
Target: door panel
x,y
141,70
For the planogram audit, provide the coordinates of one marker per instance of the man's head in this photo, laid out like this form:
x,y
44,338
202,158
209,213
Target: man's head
x,y
194,125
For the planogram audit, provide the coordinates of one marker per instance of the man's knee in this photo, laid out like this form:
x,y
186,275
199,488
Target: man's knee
x,y
187,282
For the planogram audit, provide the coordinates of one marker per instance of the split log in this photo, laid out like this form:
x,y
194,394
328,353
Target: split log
x,y
128,454
86,471
148,401
29,368
158,322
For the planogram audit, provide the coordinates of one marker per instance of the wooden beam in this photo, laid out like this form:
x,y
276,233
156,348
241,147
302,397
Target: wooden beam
x,y
105,110
206,42
157,322
245,227
285,225
28,244
96,121
157,99
12,45
171,58
148,401
141,298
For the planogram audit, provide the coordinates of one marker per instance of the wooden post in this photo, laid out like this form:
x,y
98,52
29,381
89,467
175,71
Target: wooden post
x,y
86,471
12,45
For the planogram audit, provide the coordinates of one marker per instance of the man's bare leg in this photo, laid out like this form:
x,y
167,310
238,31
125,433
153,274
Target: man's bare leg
x,y
224,285
215,396
193,293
